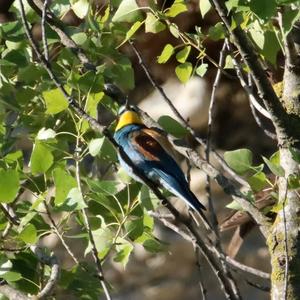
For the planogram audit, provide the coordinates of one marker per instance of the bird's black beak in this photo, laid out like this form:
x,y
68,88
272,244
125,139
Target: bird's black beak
x,y
127,106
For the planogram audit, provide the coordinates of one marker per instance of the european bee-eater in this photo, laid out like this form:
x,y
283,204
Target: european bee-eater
x,y
148,154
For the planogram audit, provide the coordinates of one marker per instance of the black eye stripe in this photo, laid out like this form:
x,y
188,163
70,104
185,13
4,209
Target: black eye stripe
x,y
123,109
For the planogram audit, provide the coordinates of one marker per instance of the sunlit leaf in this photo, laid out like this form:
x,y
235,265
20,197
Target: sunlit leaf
x,y
9,185
204,6
152,24
41,158
55,101
177,8
128,11
29,234
184,71
183,54
166,54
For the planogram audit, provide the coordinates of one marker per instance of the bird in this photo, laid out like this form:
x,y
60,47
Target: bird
x,y
148,153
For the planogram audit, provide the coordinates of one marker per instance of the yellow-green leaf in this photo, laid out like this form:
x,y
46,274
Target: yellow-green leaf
x,y
184,71
55,101
166,54
9,185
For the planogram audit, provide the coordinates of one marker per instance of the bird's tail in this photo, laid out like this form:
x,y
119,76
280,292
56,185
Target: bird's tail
x,y
199,208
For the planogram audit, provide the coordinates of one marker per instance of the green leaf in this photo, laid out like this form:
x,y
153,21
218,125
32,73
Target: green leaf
x,y
234,205
201,70
153,245
184,71
172,126
104,147
91,107
229,62
123,176
46,134
290,16
177,8
9,185
239,160
29,234
258,181
293,182
73,201
264,9
183,54
106,187
95,146
134,228
55,101
174,30
128,11
90,82
216,32
152,24
257,33
271,48
41,158
166,54
79,38
204,6
295,154
103,240
124,250
63,184
274,164
11,276
80,8
133,29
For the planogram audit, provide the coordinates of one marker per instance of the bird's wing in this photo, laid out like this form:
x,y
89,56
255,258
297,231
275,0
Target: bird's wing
x,y
163,141
155,155
162,168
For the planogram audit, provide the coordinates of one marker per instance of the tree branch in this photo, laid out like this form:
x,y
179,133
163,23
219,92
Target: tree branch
x,y
11,293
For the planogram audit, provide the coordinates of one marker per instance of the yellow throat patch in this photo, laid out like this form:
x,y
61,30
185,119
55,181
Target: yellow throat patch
x,y
127,118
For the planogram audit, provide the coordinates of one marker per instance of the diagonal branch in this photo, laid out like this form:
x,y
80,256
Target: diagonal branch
x,y
253,61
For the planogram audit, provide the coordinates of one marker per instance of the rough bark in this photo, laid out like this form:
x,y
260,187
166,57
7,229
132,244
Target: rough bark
x,y
284,240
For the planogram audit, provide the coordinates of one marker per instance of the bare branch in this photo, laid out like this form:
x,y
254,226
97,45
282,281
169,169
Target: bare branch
x,y
211,113
55,271
58,27
66,246
44,38
11,293
239,266
89,230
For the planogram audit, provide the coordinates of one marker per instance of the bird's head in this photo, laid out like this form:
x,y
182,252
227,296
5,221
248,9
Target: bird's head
x,y
127,115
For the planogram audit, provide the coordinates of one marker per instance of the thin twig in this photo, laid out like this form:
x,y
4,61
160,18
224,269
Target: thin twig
x,y
211,113
249,91
258,286
203,290
253,271
66,246
55,271
88,228
207,252
256,117
44,38
9,214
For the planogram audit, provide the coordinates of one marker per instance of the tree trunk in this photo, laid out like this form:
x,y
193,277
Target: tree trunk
x,y
284,240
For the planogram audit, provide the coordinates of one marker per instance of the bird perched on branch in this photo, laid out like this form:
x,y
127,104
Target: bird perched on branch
x,y
145,148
